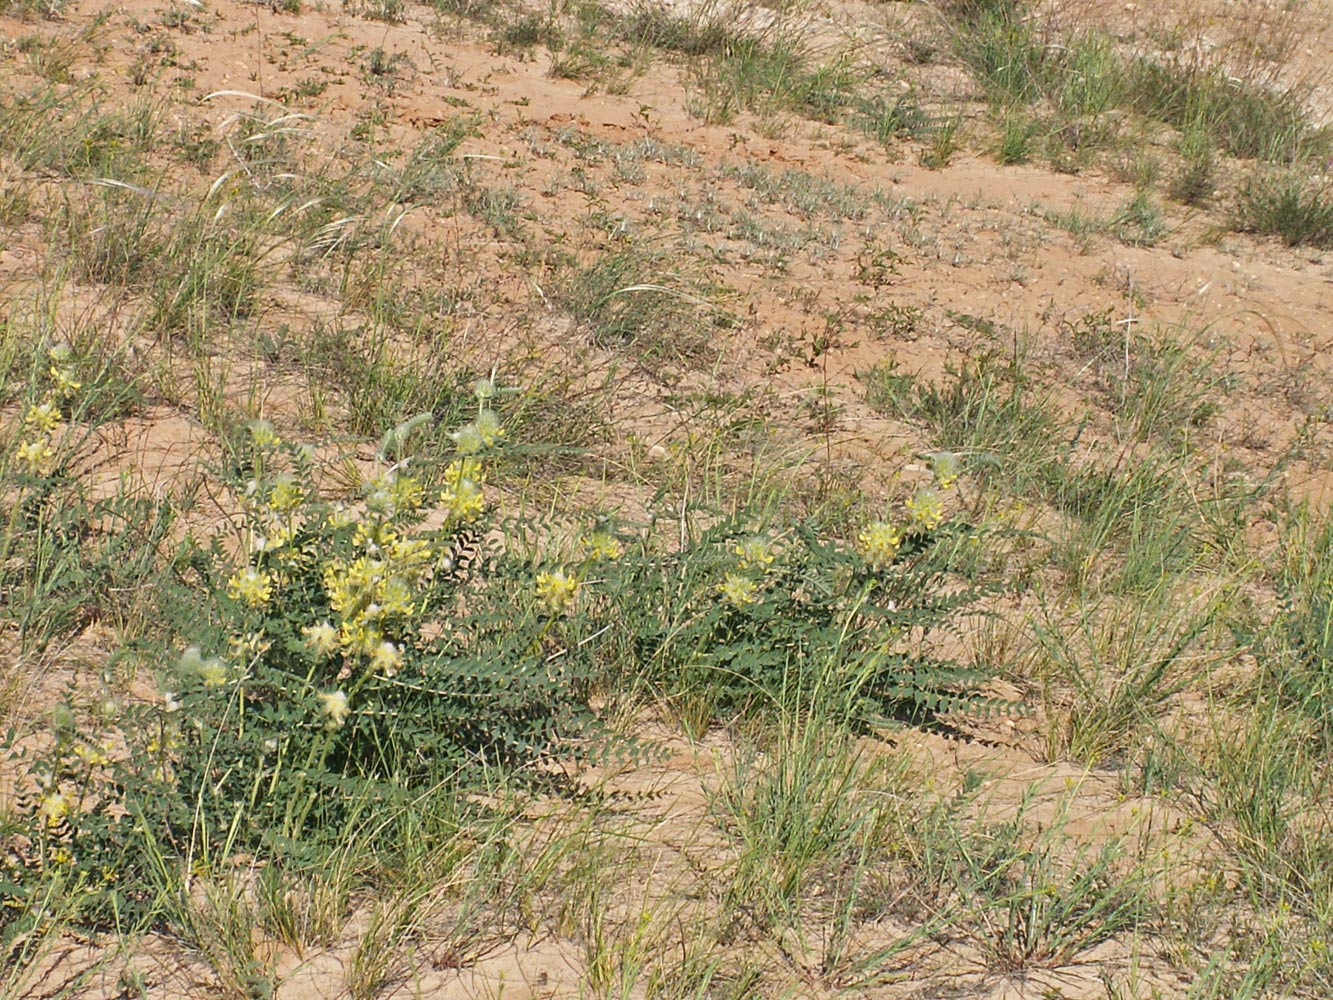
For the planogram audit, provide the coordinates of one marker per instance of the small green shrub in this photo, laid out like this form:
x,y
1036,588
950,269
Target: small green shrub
x,y
1288,203
1139,222
889,120
1111,672
986,411
1005,55
1027,903
1193,183
736,621
650,24
970,12
945,141
527,31
356,653
1086,81
1016,139
1246,119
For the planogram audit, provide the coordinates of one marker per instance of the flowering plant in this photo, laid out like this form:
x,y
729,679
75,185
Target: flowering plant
x,y
341,653
737,618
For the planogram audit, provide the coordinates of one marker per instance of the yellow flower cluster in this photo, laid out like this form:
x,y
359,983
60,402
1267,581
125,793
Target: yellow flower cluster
x,y
461,496
738,590
754,559
92,756
556,591
602,545
927,509
36,455
212,670
386,658
335,708
370,594
262,435
879,544
755,552
392,494
43,420
322,639
947,467
253,586
286,494
54,806
62,371
484,432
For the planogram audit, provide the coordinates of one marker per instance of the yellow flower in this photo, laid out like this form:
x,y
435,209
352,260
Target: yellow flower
x,y
488,427
248,648
738,589
36,455
252,586
90,755
927,509
484,389
286,494
351,588
386,659
262,434
395,598
321,639
44,419
602,545
464,502
374,535
335,708
407,492
556,591
879,544
54,806
340,517
213,672
277,537
409,557
947,467
462,497
468,439
392,494
754,553
360,637
66,384
464,468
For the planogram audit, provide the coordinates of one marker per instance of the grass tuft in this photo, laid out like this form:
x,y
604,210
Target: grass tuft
x,y
1288,203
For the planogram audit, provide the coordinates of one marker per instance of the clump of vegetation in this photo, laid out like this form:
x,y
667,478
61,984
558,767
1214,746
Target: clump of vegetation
x,y
737,619
349,655
338,655
635,298
1081,85
1287,203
